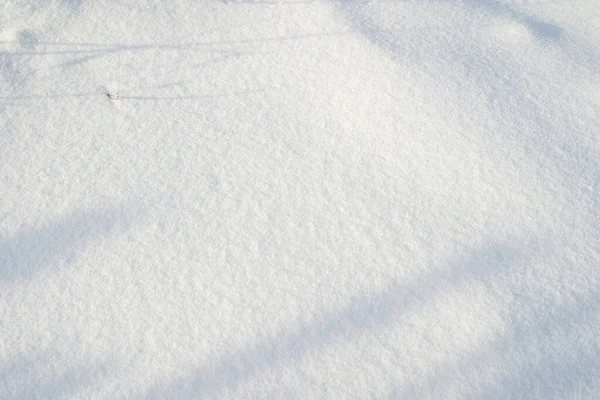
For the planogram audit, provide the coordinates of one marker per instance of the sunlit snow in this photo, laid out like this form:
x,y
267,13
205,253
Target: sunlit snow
x,y
299,199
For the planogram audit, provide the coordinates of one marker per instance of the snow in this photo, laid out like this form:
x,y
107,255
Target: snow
x,y
299,199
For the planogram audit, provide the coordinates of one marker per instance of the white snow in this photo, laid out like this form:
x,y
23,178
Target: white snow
x,y
299,199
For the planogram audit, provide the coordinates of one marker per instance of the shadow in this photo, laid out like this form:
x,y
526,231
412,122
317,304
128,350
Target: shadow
x,y
74,5
465,66
271,2
544,29
64,55
81,53
363,315
556,361
32,249
361,21
35,378
540,354
91,51
539,28
208,96
101,94
27,40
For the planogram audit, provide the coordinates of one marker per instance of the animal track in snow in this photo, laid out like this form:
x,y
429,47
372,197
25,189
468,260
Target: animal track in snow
x,y
524,31
13,39
15,70
27,40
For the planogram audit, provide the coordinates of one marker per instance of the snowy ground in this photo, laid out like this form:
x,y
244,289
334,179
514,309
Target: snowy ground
x,y
300,199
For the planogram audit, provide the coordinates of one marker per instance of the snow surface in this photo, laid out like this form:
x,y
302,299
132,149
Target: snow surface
x,y
300,199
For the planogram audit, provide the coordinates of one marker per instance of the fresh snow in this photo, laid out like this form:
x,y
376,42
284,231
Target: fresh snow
x,y
299,199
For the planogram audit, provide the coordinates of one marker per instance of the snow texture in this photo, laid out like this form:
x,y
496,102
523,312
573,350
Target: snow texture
x,y
299,199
